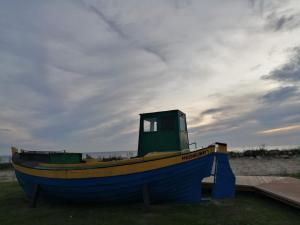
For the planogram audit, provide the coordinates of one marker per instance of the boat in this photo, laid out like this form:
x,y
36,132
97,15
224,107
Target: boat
x,y
164,170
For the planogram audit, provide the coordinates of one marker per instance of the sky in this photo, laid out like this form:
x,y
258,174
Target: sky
x,y
76,75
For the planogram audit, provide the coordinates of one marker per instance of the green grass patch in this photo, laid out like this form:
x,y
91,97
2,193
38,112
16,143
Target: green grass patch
x,y
243,210
6,166
295,175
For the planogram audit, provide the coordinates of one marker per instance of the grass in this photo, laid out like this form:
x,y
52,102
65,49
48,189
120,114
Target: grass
x,y
6,166
295,175
243,210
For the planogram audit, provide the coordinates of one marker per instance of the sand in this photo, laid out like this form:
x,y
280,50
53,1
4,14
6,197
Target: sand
x,y
7,175
265,166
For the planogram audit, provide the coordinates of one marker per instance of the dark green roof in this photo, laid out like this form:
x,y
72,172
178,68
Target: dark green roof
x,y
162,112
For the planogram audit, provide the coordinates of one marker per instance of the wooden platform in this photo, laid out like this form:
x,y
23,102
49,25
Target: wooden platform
x,y
284,189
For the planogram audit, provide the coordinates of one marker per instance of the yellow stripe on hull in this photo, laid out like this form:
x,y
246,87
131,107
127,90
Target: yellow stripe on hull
x,y
115,168
95,162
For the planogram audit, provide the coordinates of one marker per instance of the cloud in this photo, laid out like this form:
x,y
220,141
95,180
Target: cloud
x,y
277,16
283,22
110,23
76,75
209,116
60,85
156,52
250,120
215,110
288,72
258,6
280,94
280,130
246,129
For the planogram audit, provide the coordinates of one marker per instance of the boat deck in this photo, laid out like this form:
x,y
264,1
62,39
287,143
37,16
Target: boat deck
x,y
284,189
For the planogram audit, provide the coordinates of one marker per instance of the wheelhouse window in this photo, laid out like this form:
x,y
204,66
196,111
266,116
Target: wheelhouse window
x,y
182,123
150,125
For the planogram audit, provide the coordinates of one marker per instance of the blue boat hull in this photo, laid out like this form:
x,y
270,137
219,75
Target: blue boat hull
x,y
177,183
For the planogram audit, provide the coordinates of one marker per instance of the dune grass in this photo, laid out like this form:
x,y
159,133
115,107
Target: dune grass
x,y
244,209
6,166
295,175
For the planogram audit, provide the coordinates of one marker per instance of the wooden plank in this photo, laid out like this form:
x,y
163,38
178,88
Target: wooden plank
x,y
146,196
35,196
284,189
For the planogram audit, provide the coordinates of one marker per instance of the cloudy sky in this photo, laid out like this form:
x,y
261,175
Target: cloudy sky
x,y
75,74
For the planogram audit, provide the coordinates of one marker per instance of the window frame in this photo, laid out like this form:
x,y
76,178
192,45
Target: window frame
x,y
150,120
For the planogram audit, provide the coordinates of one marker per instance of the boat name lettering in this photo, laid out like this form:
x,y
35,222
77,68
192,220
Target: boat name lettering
x,y
191,156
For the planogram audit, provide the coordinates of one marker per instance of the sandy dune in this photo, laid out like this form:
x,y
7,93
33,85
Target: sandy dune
x,y
7,175
265,166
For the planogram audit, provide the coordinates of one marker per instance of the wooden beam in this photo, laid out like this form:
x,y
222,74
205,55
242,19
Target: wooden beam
x,y
35,196
146,196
